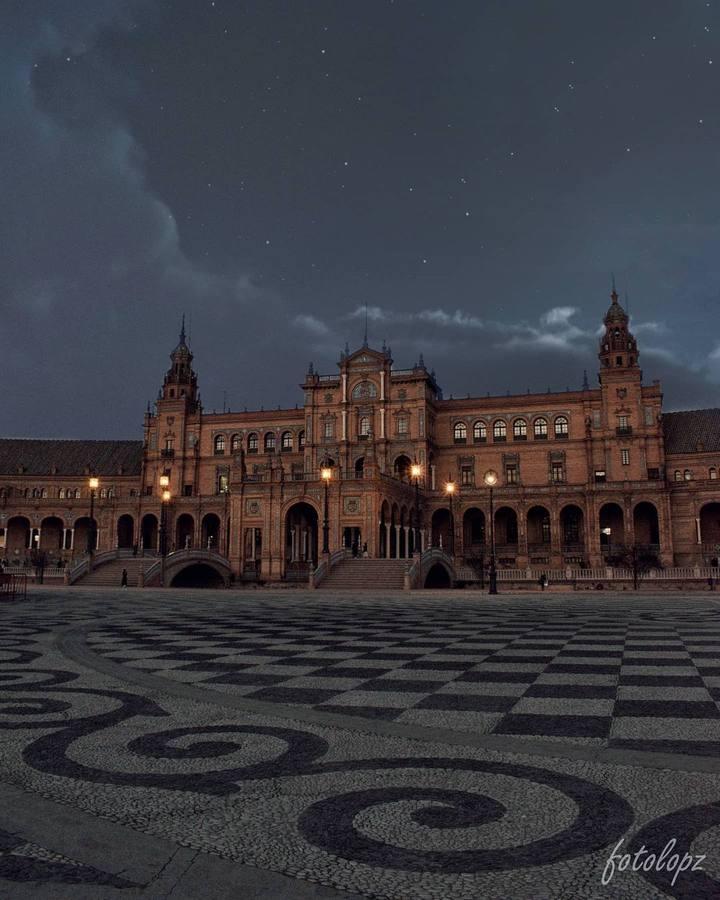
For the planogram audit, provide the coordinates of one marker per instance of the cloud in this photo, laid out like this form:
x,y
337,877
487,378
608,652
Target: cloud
x,y
311,324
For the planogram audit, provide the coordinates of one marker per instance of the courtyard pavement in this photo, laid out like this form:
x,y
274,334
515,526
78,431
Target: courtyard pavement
x,y
260,744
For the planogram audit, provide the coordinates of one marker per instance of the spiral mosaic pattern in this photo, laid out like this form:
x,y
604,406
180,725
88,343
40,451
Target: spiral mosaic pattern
x,y
377,815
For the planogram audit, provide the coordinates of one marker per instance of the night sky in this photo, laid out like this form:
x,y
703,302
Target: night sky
x,y
472,170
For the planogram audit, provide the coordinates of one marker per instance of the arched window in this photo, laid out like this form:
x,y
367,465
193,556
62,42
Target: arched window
x,y
286,441
479,432
499,430
301,441
519,430
270,442
364,390
235,443
219,444
678,475
687,475
562,427
61,494
540,429
364,426
460,433
713,473
252,443
77,493
103,493
44,493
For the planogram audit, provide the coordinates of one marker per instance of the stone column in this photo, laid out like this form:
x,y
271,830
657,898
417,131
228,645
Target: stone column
x,y
397,542
407,541
387,540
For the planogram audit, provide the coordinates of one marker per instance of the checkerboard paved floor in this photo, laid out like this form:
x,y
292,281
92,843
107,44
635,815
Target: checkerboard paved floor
x,y
644,678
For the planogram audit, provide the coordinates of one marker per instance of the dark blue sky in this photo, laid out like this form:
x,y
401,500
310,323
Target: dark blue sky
x,y
473,171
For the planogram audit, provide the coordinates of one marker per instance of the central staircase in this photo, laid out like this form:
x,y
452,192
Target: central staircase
x,y
109,574
366,575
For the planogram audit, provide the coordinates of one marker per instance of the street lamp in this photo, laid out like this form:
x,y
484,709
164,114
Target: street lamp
x,y
416,472
450,490
326,475
490,478
165,495
93,484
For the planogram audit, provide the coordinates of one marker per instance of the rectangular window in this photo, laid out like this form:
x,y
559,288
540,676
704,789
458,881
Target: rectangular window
x,y
223,483
600,477
148,490
557,473
653,474
511,474
328,429
466,475
625,457
187,490
402,425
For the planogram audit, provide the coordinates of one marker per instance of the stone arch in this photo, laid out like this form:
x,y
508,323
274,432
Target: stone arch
x,y
184,532
210,532
473,531
301,536
149,531
572,526
646,524
710,530
85,534
199,575
538,527
383,525
441,529
506,526
52,531
17,536
125,531
438,577
611,519
401,466
394,522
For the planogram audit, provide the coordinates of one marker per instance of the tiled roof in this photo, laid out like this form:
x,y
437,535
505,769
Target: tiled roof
x,y
692,431
41,457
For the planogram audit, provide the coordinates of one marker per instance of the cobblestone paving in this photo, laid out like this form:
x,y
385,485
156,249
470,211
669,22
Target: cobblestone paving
x,y
219,723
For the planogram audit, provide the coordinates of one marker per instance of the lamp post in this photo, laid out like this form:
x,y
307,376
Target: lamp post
x,y
490,478
416,472
450,490
326,475
164,482
93,484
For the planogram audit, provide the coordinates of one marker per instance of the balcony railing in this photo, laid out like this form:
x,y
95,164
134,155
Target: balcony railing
x,y
623,430
167,453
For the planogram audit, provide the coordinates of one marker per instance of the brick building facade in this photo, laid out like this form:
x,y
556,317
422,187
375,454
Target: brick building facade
x,y
581,474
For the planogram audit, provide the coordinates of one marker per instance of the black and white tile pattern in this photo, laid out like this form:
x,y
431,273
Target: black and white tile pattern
x,y
642,679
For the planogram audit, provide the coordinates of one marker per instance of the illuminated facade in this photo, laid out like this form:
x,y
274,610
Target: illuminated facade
x,y
581,474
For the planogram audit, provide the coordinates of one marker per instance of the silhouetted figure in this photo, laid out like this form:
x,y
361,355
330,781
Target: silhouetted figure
x,y
123,578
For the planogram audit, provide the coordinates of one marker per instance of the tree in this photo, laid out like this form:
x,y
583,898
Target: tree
x,y
639,558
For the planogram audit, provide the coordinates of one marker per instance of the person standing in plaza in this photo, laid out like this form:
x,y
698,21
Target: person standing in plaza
x,y
124,578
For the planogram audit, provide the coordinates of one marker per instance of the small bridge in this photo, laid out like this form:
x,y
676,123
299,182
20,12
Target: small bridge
x,y
189,568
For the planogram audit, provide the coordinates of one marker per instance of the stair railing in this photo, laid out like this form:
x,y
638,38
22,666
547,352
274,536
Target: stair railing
x,y
325,567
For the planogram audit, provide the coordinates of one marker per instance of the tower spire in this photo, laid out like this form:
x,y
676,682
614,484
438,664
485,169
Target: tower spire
x,y
613,293
182,330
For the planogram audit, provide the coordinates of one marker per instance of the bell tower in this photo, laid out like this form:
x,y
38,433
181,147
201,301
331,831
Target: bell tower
x,y
180,381
618,348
